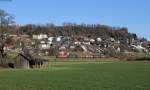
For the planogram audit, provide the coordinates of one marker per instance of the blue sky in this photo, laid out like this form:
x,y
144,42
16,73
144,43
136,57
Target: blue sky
x,y
133,14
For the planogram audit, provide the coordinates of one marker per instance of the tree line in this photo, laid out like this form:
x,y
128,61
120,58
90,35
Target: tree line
x,y
71,29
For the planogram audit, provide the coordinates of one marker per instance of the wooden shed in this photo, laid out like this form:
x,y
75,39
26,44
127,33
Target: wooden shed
x,y
22,62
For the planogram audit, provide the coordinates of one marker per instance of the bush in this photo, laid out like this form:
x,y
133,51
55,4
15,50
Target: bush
x,y
138,57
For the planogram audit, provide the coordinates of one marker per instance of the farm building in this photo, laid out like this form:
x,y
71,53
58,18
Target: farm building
x,y
28,61
22,62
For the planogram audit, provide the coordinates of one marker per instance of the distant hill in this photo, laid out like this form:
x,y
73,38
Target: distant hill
x,y
76,30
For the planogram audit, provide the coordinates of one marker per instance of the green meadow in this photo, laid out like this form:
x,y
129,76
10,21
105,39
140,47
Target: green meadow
x,y
79,76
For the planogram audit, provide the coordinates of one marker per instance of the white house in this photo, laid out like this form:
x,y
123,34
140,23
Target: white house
x,y
50,39
87,43
58,39
77,43
44,46
62,48
112,39
39,37
50,42
13,35
72,47
42,42
99,39
92,40
25,36
139,48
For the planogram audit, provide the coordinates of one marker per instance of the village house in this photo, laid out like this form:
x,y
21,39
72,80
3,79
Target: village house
x,y
99,39
50,40
59,38
77,43
13,35
40,36
51,45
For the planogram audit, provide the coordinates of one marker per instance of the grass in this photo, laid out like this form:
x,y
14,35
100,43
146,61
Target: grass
x,y
79,76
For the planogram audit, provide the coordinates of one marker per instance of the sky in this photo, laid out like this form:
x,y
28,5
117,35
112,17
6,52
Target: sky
x,y
133,14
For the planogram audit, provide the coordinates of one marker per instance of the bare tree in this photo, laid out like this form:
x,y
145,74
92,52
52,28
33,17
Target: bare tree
x,y
6,20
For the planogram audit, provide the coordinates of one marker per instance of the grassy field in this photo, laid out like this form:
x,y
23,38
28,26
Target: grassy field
x,y
79,76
